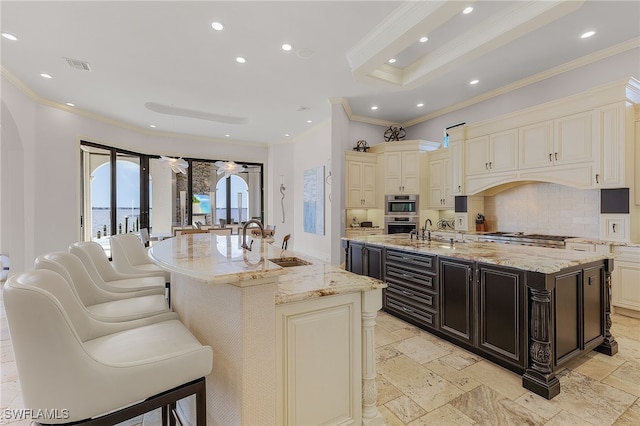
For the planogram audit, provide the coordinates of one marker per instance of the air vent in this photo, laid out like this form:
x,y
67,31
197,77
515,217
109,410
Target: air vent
x,y
78,64
303,109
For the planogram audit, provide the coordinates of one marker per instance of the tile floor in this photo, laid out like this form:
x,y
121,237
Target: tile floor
x,y
424,380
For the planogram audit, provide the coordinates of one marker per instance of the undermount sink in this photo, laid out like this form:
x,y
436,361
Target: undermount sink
x,y
286,262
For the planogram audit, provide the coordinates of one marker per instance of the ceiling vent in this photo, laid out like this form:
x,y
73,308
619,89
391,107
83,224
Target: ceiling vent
x,y
303,109
78,64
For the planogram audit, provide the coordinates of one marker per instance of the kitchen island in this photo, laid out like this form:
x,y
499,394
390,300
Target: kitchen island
x,y
529,309
291,345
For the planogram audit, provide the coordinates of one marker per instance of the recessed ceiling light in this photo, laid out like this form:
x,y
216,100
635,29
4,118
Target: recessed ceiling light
x,y
474,82
70,104
587,34
241,60
9,36
309,121
420,105
153,126
424,39
392,60
467,10
286,47
217,26
45,75
286,135
374,107
227,135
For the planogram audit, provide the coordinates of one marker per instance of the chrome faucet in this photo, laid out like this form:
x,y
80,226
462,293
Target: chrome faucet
x,y
427,222
244,232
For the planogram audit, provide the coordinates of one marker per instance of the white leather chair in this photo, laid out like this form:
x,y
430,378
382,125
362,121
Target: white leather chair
x,y
130,257
89,369
92,255
101,304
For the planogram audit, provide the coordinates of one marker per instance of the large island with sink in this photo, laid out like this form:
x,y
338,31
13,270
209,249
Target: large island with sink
x,y
528,309
292,337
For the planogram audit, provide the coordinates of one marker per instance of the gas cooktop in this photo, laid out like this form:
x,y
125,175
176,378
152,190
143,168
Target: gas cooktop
x,y
521,238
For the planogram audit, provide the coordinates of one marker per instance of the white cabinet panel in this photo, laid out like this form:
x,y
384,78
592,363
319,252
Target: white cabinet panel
x,y
625,291
440,186
573,139
319,361
361,183
535,145
503,151
402,172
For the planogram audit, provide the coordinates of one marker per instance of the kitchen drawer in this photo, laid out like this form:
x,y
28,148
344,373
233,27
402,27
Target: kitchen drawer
x,y
405,309
406,276
421,262
418,294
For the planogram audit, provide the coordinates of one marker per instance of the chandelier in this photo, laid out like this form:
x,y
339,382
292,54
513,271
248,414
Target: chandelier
x,y
178,165
228,168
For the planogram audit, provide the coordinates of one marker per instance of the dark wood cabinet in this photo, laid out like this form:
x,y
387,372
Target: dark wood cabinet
x,y
412,287
500,313
365,259
456,299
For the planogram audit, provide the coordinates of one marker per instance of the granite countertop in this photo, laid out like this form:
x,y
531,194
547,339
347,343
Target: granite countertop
x,y
536,259
220,259
597,241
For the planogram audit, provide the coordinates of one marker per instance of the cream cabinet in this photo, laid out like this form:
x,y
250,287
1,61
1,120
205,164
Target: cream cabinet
x,y
440,184
402,172
361,180
457,168
362,232
493,153
625,286
566,140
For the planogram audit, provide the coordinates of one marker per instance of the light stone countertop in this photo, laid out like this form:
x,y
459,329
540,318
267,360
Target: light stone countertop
x,y
601,242
219,259
527,258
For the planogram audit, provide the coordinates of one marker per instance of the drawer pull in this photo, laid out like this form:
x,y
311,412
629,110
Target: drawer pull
x,y
407,276
404,308
407,293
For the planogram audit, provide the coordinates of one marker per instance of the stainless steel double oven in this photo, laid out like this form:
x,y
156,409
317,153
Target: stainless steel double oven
x,y
401,214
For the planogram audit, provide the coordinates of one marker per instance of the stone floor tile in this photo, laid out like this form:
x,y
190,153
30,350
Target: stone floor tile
x,y
488,407
589,399
8,371
385,337
567,419
390,419
446,415
384,353
631,417
626,378
405,409
539,405
499,379
423,350
459,378
386,391
598,366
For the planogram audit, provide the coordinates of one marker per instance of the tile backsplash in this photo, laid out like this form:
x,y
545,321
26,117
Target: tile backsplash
x,y
545,208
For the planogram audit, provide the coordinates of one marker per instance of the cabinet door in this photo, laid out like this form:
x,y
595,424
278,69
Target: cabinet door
x,y
447,197
436,173
609,138
456,299
500,308
593,299
356,252
368,185
354,184
374,255
567,310
477,156
535,145
410,172
573,139
393,172
457,174
503,151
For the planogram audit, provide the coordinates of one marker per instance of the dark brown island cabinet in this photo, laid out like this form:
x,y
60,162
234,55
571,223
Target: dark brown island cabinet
x,y
529,322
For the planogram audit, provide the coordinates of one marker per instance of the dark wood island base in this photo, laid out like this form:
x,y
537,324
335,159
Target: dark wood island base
x,y
517,312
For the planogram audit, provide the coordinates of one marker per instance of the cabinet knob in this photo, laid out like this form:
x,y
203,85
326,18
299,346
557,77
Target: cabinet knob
x,y
556,154
550,159
597,178
613,227
486,166
490,165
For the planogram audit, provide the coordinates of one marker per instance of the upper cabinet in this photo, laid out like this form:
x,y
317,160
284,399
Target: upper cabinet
x,y
440,183
402,164
494,153
402,172
566,140
361,180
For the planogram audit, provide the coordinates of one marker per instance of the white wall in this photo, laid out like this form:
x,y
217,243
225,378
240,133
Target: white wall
x,y
281,160
44,187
